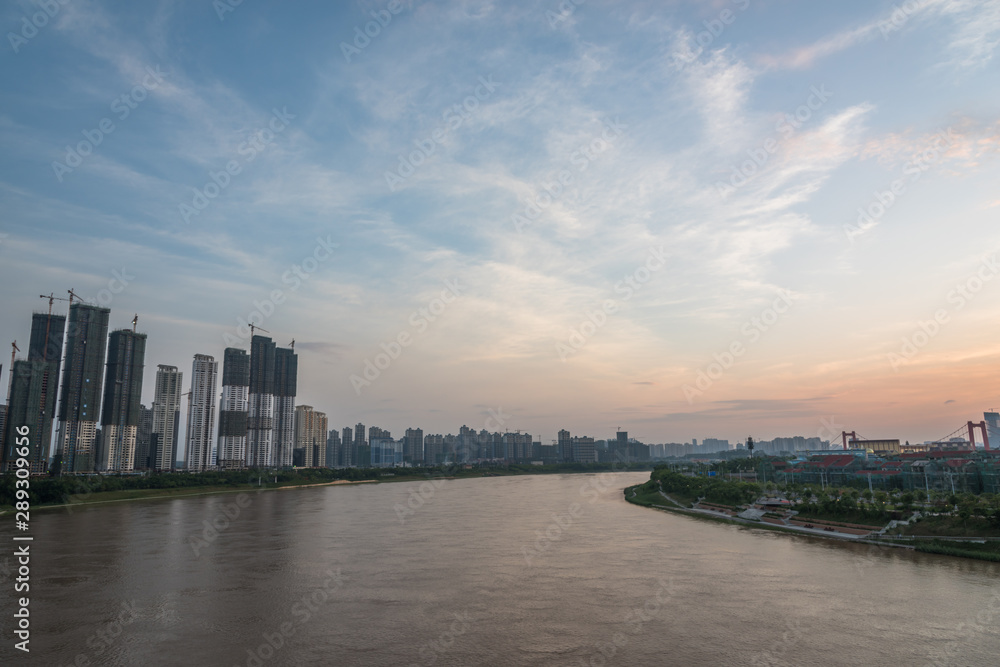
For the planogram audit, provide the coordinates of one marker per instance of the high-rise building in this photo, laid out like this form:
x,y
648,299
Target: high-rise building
x,y
347,448
433,449
362,453
232,450
166,414
201,414
260,417
413,446
32,400
333,449
386,452
3,421
517,446
565,446
143,438
311,436
122,400
583,450
286,365
993,428
82,379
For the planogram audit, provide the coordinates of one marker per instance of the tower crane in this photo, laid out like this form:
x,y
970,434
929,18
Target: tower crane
x,y
53,298
14,349
254,326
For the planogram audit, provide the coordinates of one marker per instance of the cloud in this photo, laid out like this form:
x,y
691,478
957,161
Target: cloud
x,y
974,36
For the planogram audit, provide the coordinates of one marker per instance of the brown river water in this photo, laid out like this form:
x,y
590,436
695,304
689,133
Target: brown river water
x,y
533,570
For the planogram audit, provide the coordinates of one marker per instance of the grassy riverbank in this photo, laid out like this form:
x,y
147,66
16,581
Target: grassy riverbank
x,y
656,501
649,495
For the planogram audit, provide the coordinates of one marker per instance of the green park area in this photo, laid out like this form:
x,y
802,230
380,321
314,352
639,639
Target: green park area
x,y
963,524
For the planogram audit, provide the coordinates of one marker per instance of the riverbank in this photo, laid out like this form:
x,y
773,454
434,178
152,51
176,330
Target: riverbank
x,y
85,490
980,549
185,492
711,515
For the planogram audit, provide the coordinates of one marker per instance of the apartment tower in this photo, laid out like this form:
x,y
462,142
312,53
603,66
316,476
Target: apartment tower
x,y
82,378
200,454
232,448
122,395
166,416
286,366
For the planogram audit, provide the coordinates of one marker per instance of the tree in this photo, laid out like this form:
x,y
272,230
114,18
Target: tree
x,y
906,501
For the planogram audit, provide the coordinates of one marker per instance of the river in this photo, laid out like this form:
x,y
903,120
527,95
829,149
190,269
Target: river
x,y
531,570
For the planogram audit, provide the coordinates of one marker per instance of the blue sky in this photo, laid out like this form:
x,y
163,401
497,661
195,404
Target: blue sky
x,y
537,157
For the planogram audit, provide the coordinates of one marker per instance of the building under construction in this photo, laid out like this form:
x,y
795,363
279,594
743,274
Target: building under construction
x,y
33,387
232,447
260,414
120,416
200,455
286,368
82,376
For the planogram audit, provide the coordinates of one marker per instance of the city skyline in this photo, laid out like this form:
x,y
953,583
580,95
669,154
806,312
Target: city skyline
x,y
697,219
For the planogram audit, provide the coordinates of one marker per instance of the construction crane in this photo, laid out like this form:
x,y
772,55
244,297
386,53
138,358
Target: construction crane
x,y
53,298
74,295
292,345
135,322
10,383
254,326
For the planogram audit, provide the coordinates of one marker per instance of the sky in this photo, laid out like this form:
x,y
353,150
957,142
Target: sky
x,y
681,219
